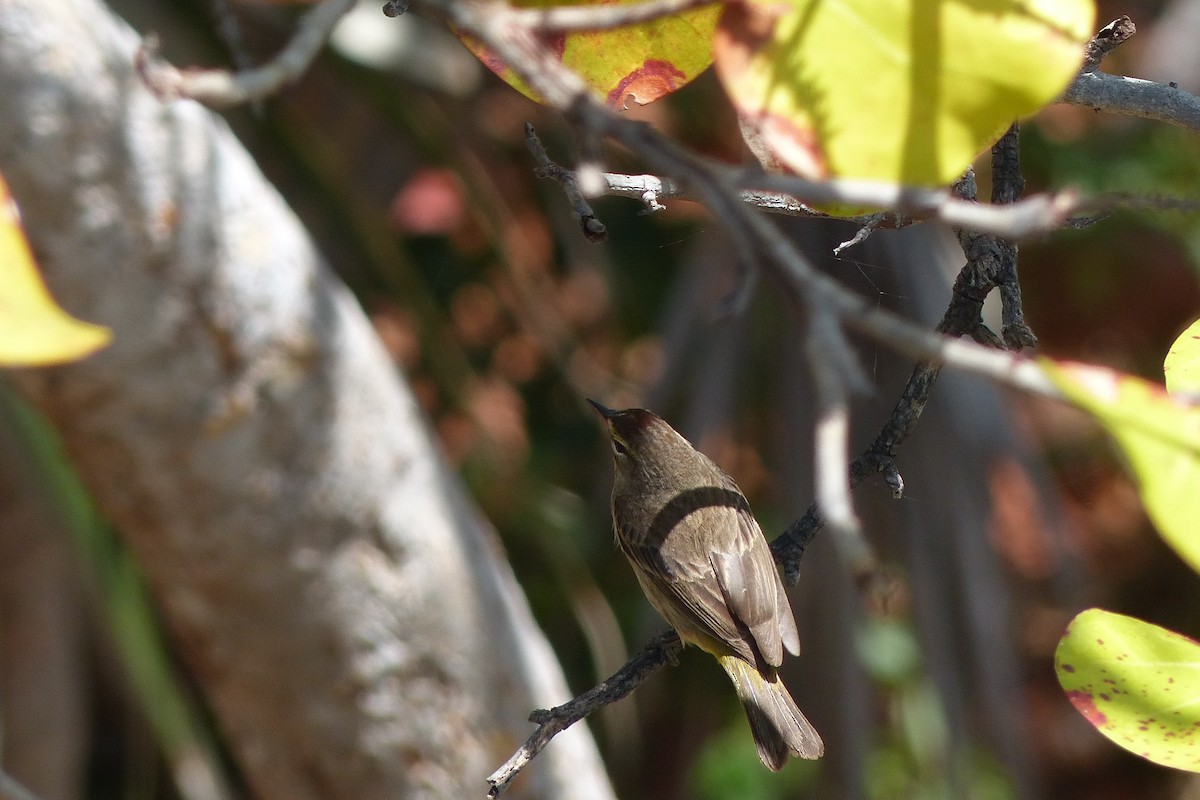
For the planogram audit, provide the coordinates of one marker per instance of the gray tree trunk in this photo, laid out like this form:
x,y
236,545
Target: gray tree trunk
x,y
350,617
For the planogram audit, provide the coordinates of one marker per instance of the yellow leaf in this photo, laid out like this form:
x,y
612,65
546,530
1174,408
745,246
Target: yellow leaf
x,y
1182,364
1160,438
33,330
908,91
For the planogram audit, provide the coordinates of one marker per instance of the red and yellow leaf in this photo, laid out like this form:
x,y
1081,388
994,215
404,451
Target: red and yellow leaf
x,y
1136,683
640,63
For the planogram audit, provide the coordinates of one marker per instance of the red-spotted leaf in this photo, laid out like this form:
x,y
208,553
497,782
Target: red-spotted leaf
x,y
33,329
1182,364
1159,436
1137,683
640,63
893,90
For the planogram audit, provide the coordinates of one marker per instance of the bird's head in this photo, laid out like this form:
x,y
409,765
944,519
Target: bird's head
x,y
644,445
631,430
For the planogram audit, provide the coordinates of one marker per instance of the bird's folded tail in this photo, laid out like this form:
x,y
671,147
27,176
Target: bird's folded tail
x,y
777,724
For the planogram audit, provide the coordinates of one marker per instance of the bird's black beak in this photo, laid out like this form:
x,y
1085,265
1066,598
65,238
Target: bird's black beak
x,y
604,411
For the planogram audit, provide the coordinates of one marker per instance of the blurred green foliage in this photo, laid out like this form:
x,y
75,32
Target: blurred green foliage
x,y
912,757
1152,164
728,767
182,730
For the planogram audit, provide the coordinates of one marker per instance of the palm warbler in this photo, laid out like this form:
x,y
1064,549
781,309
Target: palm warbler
x,y
702,561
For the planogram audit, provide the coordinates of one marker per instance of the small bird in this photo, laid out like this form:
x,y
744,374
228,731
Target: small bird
x,y
704,564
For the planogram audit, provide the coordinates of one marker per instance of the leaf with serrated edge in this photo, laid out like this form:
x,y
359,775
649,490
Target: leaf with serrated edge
x,y
1137,683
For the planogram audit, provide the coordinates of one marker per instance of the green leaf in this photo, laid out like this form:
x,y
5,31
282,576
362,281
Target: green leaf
x,y
1137,683
908,91
640,63
1182,364
1159,436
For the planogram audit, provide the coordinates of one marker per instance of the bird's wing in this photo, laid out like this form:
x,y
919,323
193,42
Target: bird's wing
x,y
787,620
753,590
673,566
761,580
706,559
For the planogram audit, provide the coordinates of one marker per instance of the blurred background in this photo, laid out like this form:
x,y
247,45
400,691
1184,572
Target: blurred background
x,y
406,160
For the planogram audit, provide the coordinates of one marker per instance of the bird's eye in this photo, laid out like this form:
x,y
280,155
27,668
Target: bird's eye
x,y
620,447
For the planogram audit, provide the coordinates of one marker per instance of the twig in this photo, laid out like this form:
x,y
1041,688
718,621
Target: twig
x,y
1131,96
830,460
794,196
867,228
1109,38
1007,185
230,32
1125,201
651,189
661,651
706,180
220,88
565,19
1038,214
593,228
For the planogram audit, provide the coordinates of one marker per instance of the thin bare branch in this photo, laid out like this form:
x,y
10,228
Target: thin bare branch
x,y
652,189
1125,201
880,324
1109,38
794,196
1038,214
830,447
1134,97
565,19
221,88
593,229
662,650
873,222
1007,186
